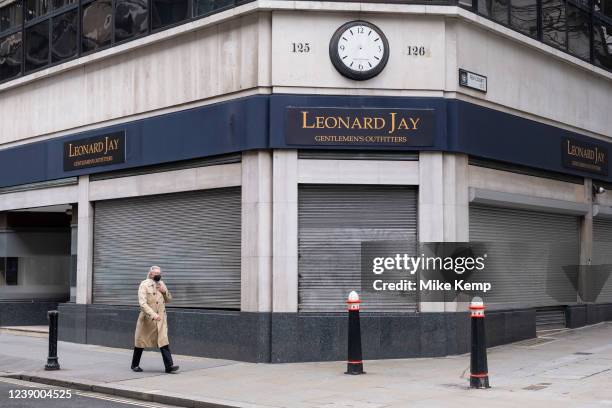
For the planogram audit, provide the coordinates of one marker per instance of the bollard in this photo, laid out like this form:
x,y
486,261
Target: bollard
x,y
52,362
479,376
354,363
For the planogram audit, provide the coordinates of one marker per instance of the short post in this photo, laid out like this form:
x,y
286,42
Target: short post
x,y
479,375
52,362
354,364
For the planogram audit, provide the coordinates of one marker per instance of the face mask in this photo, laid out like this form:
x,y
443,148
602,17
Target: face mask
x,y
157,278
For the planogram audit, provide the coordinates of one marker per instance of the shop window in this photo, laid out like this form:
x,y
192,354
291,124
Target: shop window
x,y
169,12
496,10
37,46
9,271
97,25
11,15
578,31
131,19
602,44
554,23
524,16
64,36
37,8
11,51
202,7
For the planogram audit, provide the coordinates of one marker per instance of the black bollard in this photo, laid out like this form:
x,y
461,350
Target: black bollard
x,y
479,371
354,363
52,362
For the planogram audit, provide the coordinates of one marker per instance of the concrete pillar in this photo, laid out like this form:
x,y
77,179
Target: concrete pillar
x,y
84,243
285,230
586,235
443,207
256,266
74,228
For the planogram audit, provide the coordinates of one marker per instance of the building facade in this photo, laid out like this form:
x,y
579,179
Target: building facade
x,y
227,143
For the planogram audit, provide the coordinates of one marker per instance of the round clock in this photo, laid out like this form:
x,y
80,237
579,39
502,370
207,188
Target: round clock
x,y
359,50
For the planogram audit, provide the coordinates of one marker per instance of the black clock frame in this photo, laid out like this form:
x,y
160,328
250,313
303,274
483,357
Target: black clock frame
x,y
351,73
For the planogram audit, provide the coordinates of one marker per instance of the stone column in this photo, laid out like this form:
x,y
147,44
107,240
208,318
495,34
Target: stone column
x,y
586,237
84,244
256,266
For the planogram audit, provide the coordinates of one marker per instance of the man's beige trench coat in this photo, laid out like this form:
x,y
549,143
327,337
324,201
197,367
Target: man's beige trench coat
x,y
151,333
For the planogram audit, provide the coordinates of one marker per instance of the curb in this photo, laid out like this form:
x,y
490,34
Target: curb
x,y
125,393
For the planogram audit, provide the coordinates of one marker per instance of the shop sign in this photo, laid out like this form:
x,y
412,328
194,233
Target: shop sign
x,y
347,127
94,151
584,156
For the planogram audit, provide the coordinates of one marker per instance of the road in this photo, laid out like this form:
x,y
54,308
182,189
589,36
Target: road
x,y
78,399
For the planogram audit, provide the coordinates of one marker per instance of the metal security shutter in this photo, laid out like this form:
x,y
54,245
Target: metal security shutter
x,y
194,237
333,221
602,255
529,255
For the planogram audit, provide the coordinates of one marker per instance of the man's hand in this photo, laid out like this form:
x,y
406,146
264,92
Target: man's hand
x,y
161,286
157,318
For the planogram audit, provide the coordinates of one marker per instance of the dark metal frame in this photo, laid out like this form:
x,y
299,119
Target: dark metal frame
x,y
25,24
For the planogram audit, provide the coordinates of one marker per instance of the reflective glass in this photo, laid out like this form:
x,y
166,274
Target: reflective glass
x,y
168,12
10,16
97,25
602,44
603,7
37,46
554,23
37,8
11,50
496,10
524,16
208,6
62,3
578,32
64,36
131,19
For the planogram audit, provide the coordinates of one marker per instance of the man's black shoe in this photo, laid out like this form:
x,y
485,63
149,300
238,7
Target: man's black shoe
x,y
137,369
172,369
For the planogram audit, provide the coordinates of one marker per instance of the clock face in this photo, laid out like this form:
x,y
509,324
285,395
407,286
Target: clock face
x,y
359,50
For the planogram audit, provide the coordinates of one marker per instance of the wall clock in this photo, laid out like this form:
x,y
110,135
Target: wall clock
x,y
359,50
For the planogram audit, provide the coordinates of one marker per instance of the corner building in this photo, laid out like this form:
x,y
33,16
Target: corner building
x,y
196,135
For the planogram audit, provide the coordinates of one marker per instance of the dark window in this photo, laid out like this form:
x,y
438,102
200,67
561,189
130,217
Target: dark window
x,y
603,7
11,16
97,25
11,50
201,7
131,19
57,4
168,12
524,16
496,10
578,31
12,270
37,46
553,23
37,8
64,36
602,44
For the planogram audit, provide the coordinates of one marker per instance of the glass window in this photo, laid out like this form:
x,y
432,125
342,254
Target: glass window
x,y
37,46
602,44
168,12
604,7
62,3
10,16
578,32
9,271
131,19
496,10
553,23
524,16
37,8
208,6
11,49
64,36
97,25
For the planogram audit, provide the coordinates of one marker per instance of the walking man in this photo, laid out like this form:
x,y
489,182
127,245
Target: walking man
x,y
152,325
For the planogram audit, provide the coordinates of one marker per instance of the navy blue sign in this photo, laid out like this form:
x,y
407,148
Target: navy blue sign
x,y
309,126
94,151
584,156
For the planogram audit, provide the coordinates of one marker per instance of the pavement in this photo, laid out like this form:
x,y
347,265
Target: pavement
x,y
567,368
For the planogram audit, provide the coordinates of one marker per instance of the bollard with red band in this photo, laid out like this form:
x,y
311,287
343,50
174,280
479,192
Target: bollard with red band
x,y
479,375
354,364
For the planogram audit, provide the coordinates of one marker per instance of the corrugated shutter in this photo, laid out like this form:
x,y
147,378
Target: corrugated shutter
x,y
530,256
602,255
194,237
333,221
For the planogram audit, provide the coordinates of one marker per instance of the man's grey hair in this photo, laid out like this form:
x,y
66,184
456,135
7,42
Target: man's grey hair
x,y
153,268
